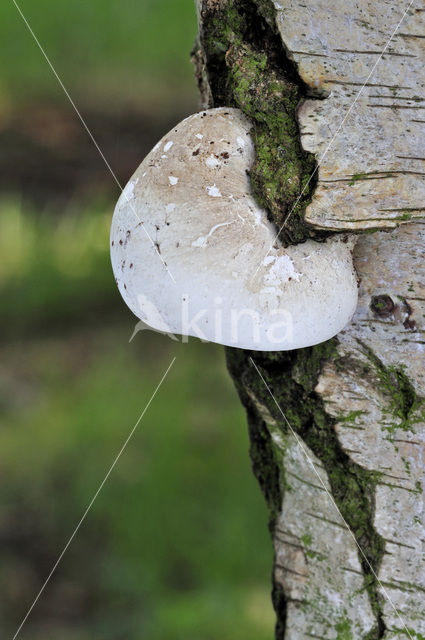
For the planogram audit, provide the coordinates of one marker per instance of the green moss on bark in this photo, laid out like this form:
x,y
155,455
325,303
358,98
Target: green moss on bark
x,y
247,68
292,377
404,405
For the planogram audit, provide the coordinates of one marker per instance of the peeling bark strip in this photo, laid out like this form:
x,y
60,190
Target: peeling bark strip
x,y
357,402
373,176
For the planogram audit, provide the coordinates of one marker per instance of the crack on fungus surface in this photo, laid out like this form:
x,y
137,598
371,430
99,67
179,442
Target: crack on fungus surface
x,y
292,377
248,68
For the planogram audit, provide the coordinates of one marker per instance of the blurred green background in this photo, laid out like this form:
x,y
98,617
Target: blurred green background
x,y
176,545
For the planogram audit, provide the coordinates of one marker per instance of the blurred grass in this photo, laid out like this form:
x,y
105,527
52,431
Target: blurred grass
x,y
54,270
177,543
107,52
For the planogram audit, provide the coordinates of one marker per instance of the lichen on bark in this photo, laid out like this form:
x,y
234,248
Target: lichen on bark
x,y
404,404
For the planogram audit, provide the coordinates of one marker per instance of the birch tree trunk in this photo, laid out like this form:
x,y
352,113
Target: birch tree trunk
x,y
337,430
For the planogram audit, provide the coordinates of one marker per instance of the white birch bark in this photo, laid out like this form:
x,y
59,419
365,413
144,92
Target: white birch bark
x,y
374,432
317,561
370,177
373,172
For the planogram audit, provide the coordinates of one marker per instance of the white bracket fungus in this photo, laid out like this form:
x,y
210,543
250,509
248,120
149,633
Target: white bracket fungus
x,y
188,212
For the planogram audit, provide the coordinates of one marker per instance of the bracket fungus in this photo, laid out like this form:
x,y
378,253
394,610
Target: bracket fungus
x,y
194,254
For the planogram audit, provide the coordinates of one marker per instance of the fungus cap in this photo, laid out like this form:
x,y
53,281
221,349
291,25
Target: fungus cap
x,y
190,248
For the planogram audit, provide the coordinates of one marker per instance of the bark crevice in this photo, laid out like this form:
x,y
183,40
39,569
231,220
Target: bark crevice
x,y
246,66
356,410
292,378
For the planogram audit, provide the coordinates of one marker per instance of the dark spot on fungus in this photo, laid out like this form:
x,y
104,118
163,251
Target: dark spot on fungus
x,y
127,236
120,241
177,244
196,153
224,155
157,227
113,243
131,265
